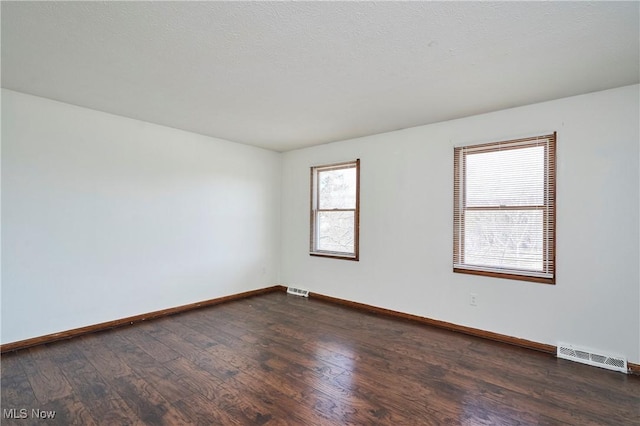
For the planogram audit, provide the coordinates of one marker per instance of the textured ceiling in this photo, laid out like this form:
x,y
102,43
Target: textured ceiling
x,y
284,75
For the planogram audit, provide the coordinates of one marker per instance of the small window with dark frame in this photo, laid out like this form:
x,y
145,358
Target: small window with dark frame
x,y
504,209
335,203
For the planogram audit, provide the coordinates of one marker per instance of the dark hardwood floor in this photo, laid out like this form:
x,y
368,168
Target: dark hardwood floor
x,y
278,359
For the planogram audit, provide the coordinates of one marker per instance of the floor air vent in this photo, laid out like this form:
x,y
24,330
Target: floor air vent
x,y
298,291
587,356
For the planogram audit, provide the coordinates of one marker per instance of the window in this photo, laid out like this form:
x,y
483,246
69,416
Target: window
x,y
504,209
335,193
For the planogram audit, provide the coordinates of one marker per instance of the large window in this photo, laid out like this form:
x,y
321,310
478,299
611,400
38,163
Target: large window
x,y
335,210
504,209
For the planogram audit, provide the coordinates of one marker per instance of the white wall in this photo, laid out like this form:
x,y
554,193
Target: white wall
x,y
105,217
406,225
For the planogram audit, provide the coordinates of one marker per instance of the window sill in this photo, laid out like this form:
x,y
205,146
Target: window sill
x,y
333,255
518,277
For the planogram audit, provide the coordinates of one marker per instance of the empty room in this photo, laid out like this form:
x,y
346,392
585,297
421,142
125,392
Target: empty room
x,y
320,213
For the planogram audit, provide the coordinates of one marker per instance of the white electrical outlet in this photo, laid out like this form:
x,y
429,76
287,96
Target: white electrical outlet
x,y
473,299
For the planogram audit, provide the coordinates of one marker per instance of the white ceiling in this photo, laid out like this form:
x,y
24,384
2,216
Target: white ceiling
x,y
285,75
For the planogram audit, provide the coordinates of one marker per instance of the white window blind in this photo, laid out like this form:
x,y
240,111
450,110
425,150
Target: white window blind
x,y
504,209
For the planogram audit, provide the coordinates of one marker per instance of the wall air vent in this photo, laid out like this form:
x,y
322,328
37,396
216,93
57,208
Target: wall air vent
x,y
589,357
298,291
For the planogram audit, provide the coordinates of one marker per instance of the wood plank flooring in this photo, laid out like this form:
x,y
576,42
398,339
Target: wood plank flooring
x,y
278,359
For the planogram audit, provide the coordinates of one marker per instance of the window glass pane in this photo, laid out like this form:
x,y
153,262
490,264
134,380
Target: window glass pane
x,y
336,231
513,177
337,189
504,239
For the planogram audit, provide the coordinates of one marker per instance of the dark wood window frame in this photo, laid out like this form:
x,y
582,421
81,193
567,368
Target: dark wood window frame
x,y
548,274
315,210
